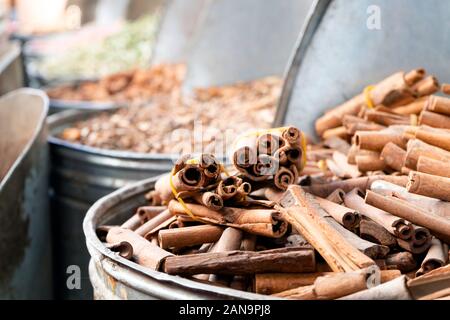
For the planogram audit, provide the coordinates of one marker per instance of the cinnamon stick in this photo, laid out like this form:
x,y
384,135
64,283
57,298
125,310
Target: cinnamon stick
x,y
414,107
132,223
123,248
433,167
438,104
373,232
434,119
393,156
347,217
363,183
337,196
436,257
438,139
403,261
265,222
432,205
189,236
146,213
426,86
445,88
308,218
440,227
370,162
417,148
153,223
144,252
395,225
289,260
429,185
392,290
386,119
376,140
210,200
337,144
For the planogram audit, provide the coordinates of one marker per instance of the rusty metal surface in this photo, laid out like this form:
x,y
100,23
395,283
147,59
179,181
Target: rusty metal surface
x,y
80,175
25,264
338,54
115,277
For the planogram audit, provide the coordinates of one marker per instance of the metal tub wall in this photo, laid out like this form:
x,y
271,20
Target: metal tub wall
x,y
114,277
80,175
25,250
348,45
243,40
11,69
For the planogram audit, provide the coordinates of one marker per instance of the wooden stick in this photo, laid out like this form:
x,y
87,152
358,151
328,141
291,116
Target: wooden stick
x,y
393,156
243,262
433,167
440,227
189,236
322,235
144,252
429,185
395,225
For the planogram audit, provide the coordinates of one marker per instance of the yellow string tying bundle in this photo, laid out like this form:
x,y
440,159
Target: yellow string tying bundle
x,y
175,192
322,165
367,98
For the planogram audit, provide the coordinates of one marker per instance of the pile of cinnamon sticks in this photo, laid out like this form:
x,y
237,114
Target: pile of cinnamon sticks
x,y
341,227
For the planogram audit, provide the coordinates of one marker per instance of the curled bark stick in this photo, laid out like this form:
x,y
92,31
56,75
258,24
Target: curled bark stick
x,y
429,185
347,217
376,140
433,167
189,236
289,260
417,148
265,222
438,226
434,120
395,225
144,252
153,223
337,196
403,261
436,257
393,156
438,104
374,232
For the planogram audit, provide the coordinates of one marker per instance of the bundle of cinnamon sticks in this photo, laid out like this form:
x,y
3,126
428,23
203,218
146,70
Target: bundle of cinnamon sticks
x,y
361,219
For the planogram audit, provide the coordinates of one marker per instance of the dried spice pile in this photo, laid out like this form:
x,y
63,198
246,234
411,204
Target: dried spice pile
x,y
209,121
333,230
131,86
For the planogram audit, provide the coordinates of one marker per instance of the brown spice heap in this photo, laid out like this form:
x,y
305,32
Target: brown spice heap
x,y
367,218
134,85
173,125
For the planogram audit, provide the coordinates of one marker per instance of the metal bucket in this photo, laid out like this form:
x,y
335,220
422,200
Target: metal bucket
x,y
80,175
243,40
114,277
25,251
348,45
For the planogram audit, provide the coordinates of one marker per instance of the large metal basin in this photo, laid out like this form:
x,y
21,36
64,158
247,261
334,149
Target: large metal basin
x,y
25,251
116,278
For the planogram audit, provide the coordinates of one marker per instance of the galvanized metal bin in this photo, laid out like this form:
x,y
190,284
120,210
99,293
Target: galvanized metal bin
x,y
25,251
80,175
348,45
11,69
243,40
114,277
